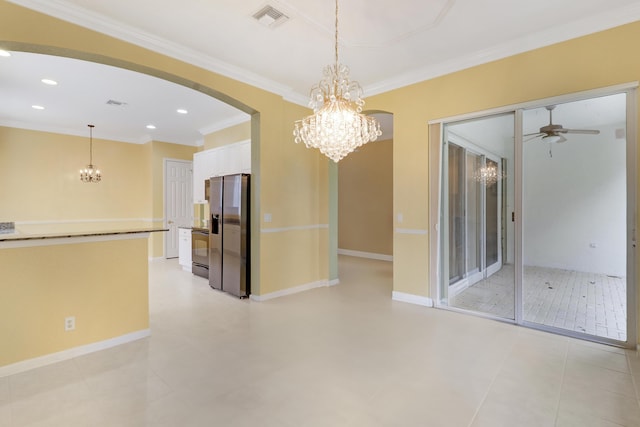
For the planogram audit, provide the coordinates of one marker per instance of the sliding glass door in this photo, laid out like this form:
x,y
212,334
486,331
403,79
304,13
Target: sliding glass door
x,y
476,155
575,219
538,228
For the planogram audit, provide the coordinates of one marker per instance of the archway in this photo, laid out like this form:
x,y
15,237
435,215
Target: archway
x,y
174,79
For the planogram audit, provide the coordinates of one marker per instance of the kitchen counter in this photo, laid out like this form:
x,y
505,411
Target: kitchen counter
x,y
195,227
95,274
20,235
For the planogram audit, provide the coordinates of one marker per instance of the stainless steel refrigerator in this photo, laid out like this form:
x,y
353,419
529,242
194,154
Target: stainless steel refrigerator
x,y
229,265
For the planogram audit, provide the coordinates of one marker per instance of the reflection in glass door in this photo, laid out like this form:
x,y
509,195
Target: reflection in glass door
x,y
476,233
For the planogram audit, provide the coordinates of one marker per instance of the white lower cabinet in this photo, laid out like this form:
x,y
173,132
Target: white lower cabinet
x,y
184,248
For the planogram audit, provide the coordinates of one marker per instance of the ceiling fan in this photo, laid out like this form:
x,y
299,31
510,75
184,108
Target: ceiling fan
x,y
553,133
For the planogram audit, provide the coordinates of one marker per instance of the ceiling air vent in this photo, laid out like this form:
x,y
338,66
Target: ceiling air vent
x,y
116,103
270,17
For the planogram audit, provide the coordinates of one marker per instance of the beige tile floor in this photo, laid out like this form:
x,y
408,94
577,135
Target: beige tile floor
x,y
341,356
589,303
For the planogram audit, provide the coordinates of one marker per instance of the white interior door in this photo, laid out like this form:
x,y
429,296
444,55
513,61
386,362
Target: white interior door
x,y
178,198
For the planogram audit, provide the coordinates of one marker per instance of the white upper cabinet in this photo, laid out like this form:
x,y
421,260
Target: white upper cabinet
x,y
205,163
245,156
226,160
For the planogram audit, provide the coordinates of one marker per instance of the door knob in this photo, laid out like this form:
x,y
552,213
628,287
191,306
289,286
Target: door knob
x,y
170,222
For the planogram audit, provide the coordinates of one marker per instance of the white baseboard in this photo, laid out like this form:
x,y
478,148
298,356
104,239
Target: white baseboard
x,y
333,282
412,299
37,362
294,290
369,255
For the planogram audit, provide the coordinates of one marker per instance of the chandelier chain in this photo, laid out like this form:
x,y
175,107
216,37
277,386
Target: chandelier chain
x,y
90,144
336,46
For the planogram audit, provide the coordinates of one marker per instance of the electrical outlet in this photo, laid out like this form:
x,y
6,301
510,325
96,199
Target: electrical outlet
x,y
70,323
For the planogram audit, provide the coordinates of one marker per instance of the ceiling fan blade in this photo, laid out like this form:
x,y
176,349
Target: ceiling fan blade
x,y
533,136
580,131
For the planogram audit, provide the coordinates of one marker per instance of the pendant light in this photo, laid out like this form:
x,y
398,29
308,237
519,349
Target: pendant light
x,y
91,173
337,126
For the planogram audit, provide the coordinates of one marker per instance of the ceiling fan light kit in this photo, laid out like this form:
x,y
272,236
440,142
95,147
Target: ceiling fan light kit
x,y
554,139
554,133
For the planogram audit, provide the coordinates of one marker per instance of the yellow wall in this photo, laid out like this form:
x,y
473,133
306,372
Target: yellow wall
x,y
288,180
237,133
509,81
47,188
39,176
300,255
365,199
595,61
42,285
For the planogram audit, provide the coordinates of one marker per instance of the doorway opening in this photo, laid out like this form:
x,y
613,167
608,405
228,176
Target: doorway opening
x,y
362,199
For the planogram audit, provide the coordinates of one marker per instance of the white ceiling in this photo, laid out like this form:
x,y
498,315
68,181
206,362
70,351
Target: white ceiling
x,y
386,44
82,94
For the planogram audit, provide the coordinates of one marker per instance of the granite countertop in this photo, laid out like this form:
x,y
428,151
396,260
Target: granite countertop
x,y
20,235
195,226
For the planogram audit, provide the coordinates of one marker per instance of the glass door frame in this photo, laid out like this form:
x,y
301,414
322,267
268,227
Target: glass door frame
x,y
437,133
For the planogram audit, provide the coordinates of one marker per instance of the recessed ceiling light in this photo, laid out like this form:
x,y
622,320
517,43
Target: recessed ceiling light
x,y
37,107
49,82
181,111
4,53
151,127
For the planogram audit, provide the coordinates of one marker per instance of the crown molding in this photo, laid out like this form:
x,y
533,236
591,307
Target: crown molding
x,y
65,131
63,10
223,124
79,16
296,98
568,31
39,127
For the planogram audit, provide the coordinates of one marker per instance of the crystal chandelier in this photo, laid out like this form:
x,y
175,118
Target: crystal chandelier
x,y
90,173
337,126
489,174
